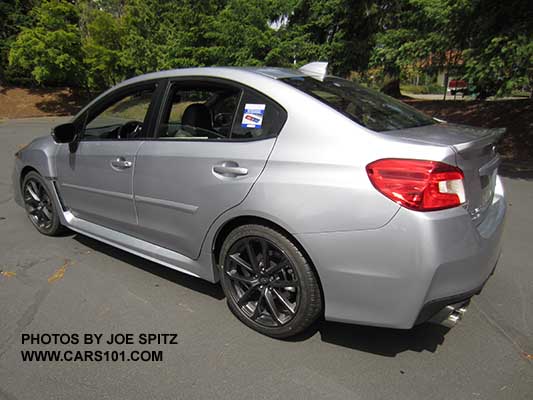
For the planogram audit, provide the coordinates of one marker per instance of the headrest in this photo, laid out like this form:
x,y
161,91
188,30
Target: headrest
x,y
198,116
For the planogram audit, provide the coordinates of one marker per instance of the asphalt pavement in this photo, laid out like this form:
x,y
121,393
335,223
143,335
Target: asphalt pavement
x,y
76,285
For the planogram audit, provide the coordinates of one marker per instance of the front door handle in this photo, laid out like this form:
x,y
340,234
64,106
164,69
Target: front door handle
x,y
121,163
230,169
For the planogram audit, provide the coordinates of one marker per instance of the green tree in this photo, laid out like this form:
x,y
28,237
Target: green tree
x,y
185,33
499,46
338,31
50,51
410,31
102,49
140,42
14,15
242,33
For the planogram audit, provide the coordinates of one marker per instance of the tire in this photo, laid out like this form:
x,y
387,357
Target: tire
x,y
278,294
40,206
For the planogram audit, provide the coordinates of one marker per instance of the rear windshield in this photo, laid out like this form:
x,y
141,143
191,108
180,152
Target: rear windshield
x,y
367,107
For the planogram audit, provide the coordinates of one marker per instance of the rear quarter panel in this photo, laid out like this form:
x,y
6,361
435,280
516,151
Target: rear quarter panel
x,y
315,179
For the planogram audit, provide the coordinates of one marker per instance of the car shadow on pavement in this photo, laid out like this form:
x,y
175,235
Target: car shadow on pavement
x,y
177,277
381,341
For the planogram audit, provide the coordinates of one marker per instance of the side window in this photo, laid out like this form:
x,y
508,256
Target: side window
x,y
199,111
124,118
257,117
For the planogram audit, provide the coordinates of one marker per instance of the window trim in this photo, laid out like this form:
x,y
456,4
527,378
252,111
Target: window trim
x,y
117,94
215,80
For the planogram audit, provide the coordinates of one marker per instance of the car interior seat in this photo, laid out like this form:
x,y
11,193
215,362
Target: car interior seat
x,y
197,115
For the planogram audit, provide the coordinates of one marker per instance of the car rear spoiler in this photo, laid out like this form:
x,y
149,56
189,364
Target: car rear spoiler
x,y
492,136
317,70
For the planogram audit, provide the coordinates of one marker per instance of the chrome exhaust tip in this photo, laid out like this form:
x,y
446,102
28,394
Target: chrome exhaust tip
x,y
450,315
462,311
452,320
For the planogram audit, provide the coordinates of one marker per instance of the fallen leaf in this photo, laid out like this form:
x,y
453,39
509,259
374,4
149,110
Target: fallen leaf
x,y
60,272
8,274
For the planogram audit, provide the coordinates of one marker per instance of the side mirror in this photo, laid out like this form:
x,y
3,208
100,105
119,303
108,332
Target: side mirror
x,y
64,133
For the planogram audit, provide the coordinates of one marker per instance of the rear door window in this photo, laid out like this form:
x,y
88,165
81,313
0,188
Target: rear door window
x,y
258,117
199,111
215,110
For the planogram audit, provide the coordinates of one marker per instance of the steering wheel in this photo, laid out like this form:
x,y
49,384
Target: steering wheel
x,y
130,129
222,119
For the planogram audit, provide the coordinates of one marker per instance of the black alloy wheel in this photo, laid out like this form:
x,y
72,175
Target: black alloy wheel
x,y
263,281
39,205
268,282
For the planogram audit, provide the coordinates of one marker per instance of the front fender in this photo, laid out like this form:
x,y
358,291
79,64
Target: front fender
x,y
40,155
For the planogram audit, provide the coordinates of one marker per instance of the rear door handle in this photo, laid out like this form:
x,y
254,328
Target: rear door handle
x,y
121,163
230,169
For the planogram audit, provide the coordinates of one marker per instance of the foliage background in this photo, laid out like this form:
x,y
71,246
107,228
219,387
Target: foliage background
x,y
94,44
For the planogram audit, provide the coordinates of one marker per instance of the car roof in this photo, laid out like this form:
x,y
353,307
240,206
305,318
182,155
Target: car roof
x,y
274,72
270,72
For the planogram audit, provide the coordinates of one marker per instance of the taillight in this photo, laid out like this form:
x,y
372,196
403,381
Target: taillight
x,y
418,184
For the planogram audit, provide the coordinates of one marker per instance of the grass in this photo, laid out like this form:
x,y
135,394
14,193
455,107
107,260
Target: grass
x,y
129,109
424,89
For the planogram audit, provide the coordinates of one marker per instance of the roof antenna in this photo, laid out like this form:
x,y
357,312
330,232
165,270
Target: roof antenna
x,y
317,70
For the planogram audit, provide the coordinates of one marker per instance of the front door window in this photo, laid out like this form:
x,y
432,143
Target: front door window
x,y
124,118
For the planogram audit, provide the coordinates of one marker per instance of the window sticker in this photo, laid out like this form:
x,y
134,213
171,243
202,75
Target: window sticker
x,y
253,115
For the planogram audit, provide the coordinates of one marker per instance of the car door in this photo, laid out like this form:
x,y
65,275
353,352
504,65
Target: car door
x,y
205,159
95,174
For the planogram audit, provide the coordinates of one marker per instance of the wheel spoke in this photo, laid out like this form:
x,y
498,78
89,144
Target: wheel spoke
x,y
273,310
33,192
283,283
47,213
287,305
282,264
266,257
233,275
40,216
37,217
258,311
37,187
235,257
252,257
246,296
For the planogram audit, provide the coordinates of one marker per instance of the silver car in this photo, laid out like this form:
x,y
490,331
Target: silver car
x,y
305,195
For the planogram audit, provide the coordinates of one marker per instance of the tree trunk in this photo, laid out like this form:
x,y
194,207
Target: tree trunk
x,y
392,87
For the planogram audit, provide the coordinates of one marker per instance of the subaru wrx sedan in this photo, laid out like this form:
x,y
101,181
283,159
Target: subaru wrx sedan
x,y
304,195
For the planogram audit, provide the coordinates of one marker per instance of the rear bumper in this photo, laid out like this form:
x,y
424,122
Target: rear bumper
x,y
433,307
389,276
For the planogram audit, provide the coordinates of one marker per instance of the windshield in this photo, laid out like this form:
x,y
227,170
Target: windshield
x,y
367,107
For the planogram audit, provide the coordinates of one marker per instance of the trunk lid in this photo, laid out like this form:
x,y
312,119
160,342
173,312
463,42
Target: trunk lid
x,y
475,155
